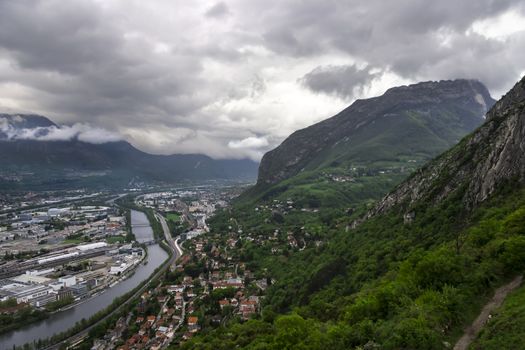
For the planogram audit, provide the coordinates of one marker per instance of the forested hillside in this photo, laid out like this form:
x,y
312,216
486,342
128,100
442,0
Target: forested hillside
x,y
408,274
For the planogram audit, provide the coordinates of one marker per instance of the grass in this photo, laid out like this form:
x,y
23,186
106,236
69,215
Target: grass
x,y
115,239
173,217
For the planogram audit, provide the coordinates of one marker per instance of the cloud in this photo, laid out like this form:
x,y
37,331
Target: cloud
x,y
220,9
249,142
343,81
174,76
252,146
81,132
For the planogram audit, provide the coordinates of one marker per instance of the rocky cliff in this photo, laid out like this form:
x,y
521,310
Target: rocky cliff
x,y
492,155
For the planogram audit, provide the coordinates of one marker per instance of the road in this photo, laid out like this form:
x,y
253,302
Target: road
x,y
112,200
173,243
176,252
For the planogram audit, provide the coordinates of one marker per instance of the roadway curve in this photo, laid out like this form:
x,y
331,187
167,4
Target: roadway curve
x,y
176,251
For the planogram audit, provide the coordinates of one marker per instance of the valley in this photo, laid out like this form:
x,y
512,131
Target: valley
x,y
345,254
262,175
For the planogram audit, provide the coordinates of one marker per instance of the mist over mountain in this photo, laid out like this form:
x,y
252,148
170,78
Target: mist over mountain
x,y
35,150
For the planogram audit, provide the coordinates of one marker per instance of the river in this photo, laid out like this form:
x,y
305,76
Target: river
x,y
63,320
140,226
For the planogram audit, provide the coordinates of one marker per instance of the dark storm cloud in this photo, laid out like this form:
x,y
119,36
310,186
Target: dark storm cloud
x,y
67,38
409,37
343,81
232,78
86,67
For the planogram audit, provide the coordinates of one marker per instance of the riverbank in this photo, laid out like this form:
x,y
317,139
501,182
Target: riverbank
x,y
81,315
127,274
91,332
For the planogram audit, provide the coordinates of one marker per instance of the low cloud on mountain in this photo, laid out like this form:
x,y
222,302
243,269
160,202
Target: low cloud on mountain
x,y
82,132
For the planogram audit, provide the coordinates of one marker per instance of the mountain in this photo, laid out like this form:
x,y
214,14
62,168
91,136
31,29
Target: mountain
x,y
417,271
62,163
380,140
490,156
408,122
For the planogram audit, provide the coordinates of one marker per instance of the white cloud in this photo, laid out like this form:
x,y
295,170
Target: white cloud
x,y
249,142
499,27
82,132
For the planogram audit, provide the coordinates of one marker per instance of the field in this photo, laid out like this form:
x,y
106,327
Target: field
x,y
175,217
115,239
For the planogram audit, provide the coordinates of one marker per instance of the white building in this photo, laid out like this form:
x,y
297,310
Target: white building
x,y
57,212
118,268
90,246
39,272
68,280
26,294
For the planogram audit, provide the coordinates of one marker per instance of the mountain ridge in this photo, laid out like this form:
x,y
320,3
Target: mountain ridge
x,y
351,133
491,154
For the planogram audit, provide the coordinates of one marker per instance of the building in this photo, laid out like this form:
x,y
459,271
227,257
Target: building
x,y
57,212
80,291
193,324
223,303
64,293
25,294
31,279
68,280
39,272
117,269
91,246
44,300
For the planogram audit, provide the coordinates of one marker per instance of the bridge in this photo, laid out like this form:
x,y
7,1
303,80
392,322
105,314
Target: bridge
x,y
150,242
140,225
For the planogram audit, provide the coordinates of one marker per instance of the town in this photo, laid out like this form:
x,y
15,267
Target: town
x,y
63,255
214,281
205,287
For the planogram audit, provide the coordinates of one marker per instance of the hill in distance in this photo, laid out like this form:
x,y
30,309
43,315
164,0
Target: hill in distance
x,y
30,163
366,149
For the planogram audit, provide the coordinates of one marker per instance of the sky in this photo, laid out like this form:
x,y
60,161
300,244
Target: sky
x,y
233,78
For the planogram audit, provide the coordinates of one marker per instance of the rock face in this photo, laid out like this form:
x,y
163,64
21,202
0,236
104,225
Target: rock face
x,y
492,155
419,120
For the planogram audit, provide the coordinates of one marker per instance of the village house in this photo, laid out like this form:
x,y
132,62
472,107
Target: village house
x,y
193,325
223,303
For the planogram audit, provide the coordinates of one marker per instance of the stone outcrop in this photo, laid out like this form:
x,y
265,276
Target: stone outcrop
x,y
490,156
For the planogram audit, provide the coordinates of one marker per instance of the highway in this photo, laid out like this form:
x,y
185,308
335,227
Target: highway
x,y
176,252
174,244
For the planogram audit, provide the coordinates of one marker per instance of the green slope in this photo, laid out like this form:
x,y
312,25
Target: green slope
x,y
506,328
386,283
376,142
389,282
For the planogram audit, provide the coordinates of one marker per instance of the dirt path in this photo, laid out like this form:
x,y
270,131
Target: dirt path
x,y
472,331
